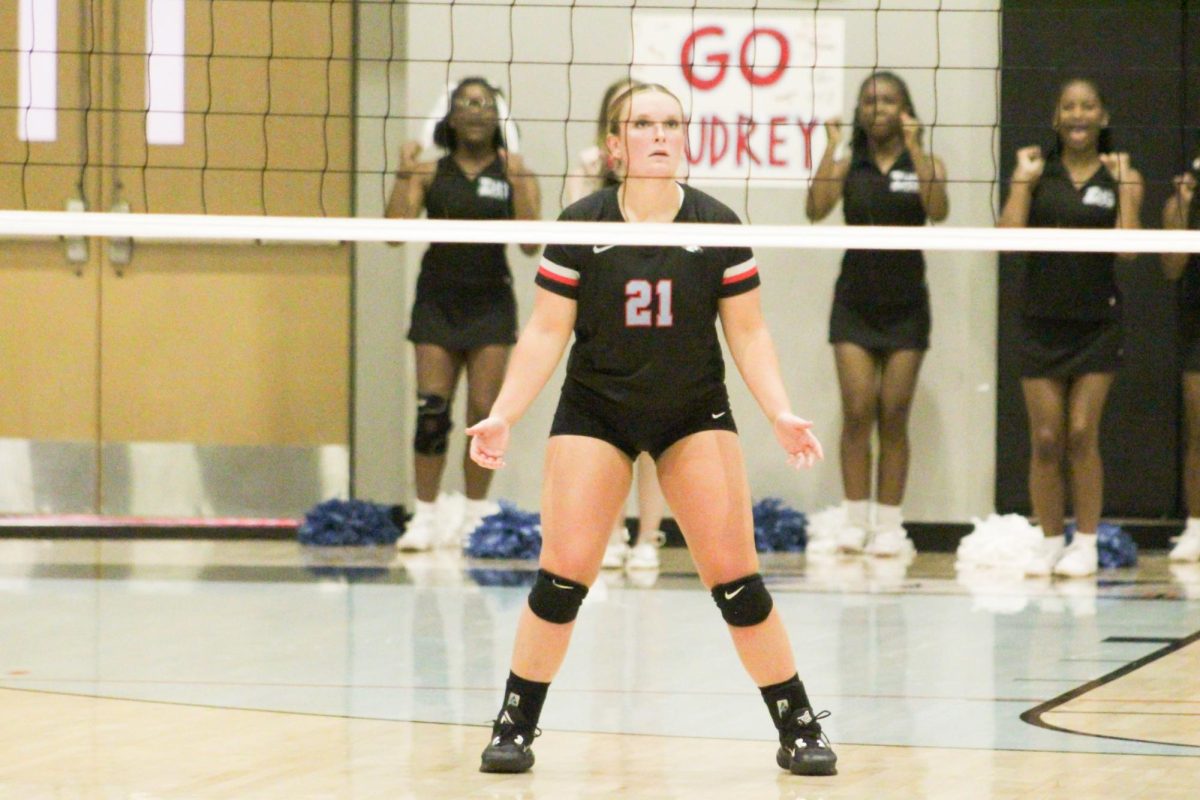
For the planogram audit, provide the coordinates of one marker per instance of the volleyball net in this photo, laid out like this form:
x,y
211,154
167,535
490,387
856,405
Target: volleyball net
x,y
264,120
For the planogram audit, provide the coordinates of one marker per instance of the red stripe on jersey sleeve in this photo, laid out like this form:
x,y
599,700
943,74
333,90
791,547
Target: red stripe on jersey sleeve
x,y
749,272
557,278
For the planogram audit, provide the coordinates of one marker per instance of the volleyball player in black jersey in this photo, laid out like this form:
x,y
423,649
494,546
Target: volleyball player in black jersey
x,y
1071,317
879,326
465,315
1182,212
646,374
598,169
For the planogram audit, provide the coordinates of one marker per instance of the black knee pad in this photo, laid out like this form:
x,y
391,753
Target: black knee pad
x,y
744,602
433,425
556,599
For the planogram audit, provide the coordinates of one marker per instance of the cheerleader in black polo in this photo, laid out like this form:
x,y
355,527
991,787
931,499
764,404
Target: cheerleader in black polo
x,y
646,374
1071,318
465,315
1182,212
879,326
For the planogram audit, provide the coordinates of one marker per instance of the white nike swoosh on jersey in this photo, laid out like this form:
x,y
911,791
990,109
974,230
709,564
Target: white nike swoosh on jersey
x,y
718,416
734,593
600,248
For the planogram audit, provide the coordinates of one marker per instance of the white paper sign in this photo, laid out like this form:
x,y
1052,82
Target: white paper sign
x,y
757,87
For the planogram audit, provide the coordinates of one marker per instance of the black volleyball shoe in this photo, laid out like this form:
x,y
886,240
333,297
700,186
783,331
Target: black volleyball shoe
x,y
510,747
803,748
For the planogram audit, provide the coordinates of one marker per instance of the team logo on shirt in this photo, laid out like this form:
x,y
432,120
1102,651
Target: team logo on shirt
x,y
1100,197
492,188
904,182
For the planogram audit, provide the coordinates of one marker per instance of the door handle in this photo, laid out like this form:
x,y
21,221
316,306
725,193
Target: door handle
x,y
76,246
120,248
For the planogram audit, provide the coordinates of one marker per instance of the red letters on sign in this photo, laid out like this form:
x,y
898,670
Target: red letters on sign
x,y
721,59
747,67
745,127
689,52
807,129
774,140
709,140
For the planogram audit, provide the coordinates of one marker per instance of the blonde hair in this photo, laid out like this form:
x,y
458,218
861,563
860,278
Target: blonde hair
x,y
625,96
614,88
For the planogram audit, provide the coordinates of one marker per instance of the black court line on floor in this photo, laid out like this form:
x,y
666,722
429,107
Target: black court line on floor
x,y
1034,715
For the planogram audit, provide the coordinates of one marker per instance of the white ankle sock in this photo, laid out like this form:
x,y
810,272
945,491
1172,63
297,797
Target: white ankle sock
x,y
424,509
1088,539
888,518
858,513
477,508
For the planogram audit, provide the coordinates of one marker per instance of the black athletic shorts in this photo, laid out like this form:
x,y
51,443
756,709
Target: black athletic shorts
x,y
881,328
464,318
582,412
1064,348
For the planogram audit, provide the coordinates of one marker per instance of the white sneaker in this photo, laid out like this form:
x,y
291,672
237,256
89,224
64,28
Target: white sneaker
x,y
421,533
451,513
821,546
851,539
1187,548
474,513
1078,561
614,556
617,550
889,543
644,555
1044,556
1188,577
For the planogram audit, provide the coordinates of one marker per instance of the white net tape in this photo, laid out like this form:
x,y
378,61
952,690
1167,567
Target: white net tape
x,y
53,224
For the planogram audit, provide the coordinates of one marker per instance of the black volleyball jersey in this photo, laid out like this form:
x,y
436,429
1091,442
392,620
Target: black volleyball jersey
x,y
451,195
869,197
645,333
1072,285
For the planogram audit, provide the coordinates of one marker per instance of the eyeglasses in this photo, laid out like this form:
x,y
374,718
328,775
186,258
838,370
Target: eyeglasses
x,y
475,103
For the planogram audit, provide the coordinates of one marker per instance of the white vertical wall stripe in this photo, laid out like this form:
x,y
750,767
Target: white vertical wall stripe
x,y
165,97
37,71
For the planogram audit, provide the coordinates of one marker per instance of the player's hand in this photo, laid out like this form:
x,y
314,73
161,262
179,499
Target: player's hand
x,y
833,133
1030,164
489,440
409,153
1118,165
912,129
797,438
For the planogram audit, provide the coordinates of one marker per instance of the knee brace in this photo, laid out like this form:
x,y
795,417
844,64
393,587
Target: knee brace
x,y
556,599
433,425
743,602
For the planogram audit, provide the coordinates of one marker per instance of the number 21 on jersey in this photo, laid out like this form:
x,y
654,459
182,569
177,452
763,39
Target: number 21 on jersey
x,y
639,297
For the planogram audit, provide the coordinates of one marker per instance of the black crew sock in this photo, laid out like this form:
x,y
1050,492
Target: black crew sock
x,y
783,699
525,696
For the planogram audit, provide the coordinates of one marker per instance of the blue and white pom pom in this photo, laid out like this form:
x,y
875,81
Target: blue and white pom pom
x,y
778,528
1114,547
512,533
343,523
